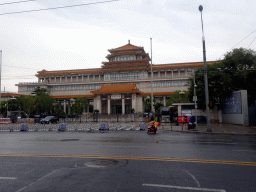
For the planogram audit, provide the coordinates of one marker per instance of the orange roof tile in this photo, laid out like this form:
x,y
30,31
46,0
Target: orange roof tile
x,y
64,72
126,88
10,95
125,47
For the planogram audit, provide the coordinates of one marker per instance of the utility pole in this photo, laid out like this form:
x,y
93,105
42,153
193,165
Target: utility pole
x,y
205,76
195,99
151,79
0,77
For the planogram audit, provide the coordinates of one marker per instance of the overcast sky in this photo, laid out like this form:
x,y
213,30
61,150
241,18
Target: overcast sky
x,y
79,37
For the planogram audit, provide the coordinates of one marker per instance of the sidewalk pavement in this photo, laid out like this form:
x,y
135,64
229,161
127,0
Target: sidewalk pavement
x,y
216,128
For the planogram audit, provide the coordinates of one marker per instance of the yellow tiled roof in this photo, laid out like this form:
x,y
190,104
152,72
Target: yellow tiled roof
x,y
10,95
125,48
126,88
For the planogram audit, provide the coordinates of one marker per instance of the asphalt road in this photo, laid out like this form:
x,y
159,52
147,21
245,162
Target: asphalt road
x,y
126,161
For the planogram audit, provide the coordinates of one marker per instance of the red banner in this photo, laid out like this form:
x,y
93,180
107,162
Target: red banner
x,y
182,119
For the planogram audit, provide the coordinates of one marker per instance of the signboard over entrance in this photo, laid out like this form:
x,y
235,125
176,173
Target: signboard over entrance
x,y
116,96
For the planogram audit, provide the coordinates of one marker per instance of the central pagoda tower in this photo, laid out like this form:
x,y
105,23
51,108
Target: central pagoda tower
x,y
126,58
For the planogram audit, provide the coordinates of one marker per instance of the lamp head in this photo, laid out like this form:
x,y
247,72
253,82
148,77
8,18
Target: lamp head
x,y
201,8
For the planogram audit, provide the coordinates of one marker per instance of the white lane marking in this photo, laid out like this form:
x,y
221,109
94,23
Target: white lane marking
x,y
8,178
184,188
193,177
128,146
245,150
38,180
217,143
95,166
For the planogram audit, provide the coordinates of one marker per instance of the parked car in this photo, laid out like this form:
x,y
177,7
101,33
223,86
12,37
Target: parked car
x,y
49,119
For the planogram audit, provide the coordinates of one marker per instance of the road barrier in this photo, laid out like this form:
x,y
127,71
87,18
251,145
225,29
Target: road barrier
x,y
95,126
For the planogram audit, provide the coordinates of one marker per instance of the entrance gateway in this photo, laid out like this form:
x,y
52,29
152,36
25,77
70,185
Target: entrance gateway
x,y
117,99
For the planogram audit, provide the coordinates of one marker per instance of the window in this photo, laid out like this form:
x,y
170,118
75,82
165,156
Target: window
x,y
114,76
183,83
154,84
90,86
161,83
97,86
175,83
124,76
143,75
78,87
168,83
84,87
135,75
107,76
68,87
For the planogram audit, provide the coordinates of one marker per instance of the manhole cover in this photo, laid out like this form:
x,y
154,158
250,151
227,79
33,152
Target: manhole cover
x,y
101,163
69,140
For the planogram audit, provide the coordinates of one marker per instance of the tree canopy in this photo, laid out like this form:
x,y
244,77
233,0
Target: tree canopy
x,y
178,97
235,72
79,106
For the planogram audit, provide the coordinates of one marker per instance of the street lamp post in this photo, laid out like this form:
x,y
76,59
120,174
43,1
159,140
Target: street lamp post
x,y
205,76
152,110
195,100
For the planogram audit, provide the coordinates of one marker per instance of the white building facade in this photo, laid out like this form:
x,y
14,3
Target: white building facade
x,y
121,84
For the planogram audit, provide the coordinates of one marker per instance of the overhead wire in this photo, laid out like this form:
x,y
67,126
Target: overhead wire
x,y
251,42
53,8
16,2
242,40
22,67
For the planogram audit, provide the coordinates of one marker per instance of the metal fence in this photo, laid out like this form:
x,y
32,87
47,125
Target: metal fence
x,y
80,127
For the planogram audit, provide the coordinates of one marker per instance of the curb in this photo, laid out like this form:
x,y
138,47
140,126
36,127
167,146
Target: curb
x,y
214,133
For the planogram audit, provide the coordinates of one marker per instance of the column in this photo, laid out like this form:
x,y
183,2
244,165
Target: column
x,y
60,78
123,105
159,75
165,74
134,101
179,110
64,106
178,73
55,79
82,78
108,104
99,103
88,77
71,79
93,77
164,101
172,74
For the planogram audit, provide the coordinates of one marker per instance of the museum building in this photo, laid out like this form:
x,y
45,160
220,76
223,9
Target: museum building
x,y
121,84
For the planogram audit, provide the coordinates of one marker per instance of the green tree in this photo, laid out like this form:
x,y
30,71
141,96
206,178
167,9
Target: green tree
x,y
178,97
44,103
147,104
235,72
28,104
79,106
58,108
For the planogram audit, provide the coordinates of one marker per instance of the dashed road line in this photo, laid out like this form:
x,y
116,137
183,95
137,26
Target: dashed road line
x,y
183,188
11,178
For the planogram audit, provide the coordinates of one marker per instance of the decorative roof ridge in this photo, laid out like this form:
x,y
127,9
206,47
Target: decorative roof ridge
x,y
187,63
126,47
